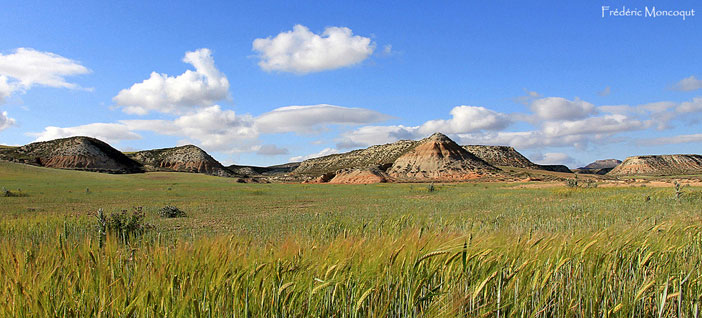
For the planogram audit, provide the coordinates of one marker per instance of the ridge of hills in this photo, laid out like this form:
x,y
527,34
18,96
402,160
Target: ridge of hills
x,y
435,158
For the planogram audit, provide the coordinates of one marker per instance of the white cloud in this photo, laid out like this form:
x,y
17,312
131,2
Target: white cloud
x,y
26,67
466,119
108,132
270,150
689,84
375,135
680,139
301,51
553,158
5,121
605,92
308,119
692,106
593,125
177,94
324,152
212,128
559,108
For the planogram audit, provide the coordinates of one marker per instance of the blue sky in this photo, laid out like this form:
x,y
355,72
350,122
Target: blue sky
x,y
554,79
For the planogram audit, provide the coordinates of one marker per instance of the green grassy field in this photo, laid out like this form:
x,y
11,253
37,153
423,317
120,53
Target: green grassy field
x,y
386,250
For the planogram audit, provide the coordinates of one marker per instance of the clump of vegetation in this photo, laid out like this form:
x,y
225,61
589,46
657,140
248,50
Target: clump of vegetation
x,y
7,193
678,190
572,183
170,211
122,225
431,188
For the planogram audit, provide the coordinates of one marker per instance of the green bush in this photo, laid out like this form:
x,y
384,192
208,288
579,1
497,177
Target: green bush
x,y
170,211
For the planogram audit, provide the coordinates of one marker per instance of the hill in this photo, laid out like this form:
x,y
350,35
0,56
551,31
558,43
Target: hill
x,y
437,157
658,165
501,156
74,153
555,168
374,156
187,158
600,167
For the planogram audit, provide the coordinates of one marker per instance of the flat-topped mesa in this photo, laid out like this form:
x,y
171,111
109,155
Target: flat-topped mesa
x,y
186,158
374,156
437,157
501,156
657,165
73,153
600,167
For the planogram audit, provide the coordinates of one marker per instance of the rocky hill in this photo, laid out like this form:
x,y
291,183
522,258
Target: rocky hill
x,y
359,176
264,171
187,158
74,153
555,168
501,156
600,167
374,156
437,157
656,165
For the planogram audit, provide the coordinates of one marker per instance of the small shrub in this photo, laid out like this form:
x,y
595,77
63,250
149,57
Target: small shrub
x,y
170,211
678,190
122,225
431,187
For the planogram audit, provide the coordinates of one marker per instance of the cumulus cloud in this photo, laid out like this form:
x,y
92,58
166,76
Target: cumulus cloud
x,y
177,94
26,67
302,51
213,128
108,132
559,108
466,119
5,121
308,119
553,158
324,152
688,84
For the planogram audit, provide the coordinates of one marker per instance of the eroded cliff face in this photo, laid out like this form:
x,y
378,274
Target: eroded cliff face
x,y
379,155
187,158
655,165
439,158
74,153
501,156
359,176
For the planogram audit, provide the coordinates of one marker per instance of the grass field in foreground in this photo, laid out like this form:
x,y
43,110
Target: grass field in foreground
x,y
398,250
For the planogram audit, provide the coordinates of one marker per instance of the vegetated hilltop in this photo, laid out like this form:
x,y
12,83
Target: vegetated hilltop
x,y
187,158
600,167
74,153
437,157
264,171
501,156
375,156
555,168
656,165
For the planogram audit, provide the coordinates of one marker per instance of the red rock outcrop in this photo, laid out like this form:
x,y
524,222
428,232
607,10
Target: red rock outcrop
x,y
359,176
